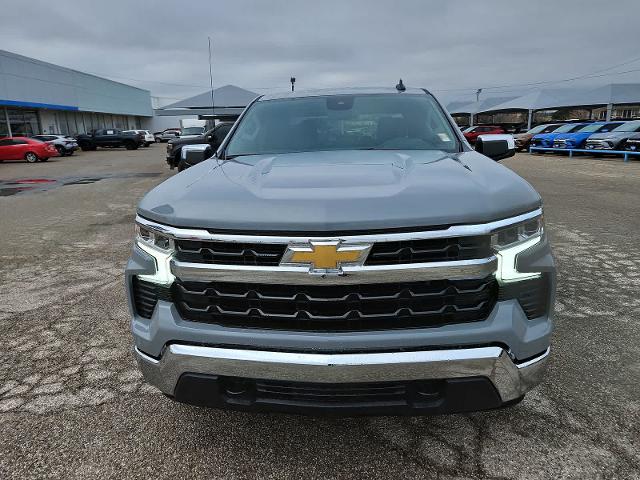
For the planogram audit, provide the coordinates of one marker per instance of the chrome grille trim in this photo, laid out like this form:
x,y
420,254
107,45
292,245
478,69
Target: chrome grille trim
x,y
454,231
455,270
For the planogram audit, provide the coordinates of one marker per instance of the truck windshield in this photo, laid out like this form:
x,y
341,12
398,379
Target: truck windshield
x,y
193,131
343,122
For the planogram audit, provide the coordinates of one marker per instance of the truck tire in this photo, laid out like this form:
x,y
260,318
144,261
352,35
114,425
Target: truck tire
x,y
31,157
131,145
61,150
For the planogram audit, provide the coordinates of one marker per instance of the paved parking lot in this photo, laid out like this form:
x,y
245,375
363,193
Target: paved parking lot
x,y
72,404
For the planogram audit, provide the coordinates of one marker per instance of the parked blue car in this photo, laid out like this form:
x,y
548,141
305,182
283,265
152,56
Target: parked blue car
x,y
578,138
546,139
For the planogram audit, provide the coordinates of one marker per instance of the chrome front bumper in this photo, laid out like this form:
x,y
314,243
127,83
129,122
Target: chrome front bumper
x,y
510,379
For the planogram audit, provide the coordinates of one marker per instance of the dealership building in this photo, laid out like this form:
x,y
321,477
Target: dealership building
x,y
39,97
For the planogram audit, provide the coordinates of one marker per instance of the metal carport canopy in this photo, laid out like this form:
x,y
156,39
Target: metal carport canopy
x,y
476,107
228,100
611,94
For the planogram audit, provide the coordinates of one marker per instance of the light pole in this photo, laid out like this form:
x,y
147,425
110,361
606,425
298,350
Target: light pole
x,y
213,119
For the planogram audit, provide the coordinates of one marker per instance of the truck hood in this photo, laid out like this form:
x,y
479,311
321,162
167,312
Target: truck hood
x,y
339,191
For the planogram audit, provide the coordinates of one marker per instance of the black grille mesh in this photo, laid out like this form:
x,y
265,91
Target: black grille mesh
x,y
430,250
229,253
382,253
337,307
533,295
146,296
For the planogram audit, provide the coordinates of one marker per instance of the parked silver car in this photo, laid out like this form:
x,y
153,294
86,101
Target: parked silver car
x,y
65,144
166,135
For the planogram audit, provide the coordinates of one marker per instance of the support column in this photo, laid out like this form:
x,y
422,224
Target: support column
x,y
6,118
529,119
609,110
471,119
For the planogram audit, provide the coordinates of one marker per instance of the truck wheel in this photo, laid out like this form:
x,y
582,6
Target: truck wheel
x,y
182,166
61,150
131,146
31,157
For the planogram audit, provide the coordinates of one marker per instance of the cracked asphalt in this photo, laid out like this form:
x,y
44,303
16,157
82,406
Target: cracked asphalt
x,y
73,405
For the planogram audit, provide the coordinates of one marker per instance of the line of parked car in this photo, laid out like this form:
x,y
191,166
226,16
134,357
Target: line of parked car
x,y
42,147
597,136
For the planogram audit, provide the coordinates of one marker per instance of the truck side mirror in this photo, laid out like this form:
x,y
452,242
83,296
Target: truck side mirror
x,y
496,147
192,154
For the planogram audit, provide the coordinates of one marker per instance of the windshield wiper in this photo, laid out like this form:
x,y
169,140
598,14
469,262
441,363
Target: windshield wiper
x,y
231,157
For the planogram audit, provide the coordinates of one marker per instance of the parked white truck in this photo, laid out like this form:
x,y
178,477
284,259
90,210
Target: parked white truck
x,y
191,128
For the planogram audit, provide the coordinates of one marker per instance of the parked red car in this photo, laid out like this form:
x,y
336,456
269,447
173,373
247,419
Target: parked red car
x,y
472,133
23,148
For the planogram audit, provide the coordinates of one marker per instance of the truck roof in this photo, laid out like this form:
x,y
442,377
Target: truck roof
x,y
339,91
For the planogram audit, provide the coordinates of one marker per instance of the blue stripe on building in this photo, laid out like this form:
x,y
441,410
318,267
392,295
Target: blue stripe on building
x,y
50,106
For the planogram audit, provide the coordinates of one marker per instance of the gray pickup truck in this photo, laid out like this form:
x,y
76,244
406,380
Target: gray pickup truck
x,y
344,252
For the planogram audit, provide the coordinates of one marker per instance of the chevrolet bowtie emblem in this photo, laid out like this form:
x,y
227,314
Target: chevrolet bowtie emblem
x,y
325,256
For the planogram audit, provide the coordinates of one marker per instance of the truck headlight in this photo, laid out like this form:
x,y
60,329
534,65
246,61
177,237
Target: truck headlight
x,y
161,248
509,242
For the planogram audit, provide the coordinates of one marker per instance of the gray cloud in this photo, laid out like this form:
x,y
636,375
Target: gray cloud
x,y
451,47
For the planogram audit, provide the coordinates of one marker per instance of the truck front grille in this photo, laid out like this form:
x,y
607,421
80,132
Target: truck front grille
x,y
382,253
229,253
336,307
431,250
358,393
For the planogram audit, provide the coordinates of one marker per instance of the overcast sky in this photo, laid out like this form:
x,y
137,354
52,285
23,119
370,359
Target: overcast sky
x,y
451,47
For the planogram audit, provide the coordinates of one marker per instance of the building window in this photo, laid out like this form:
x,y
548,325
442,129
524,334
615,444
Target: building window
x,y
4,128
23,122
119,123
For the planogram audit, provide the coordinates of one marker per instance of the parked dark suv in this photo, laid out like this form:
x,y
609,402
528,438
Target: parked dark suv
x,y
213,137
